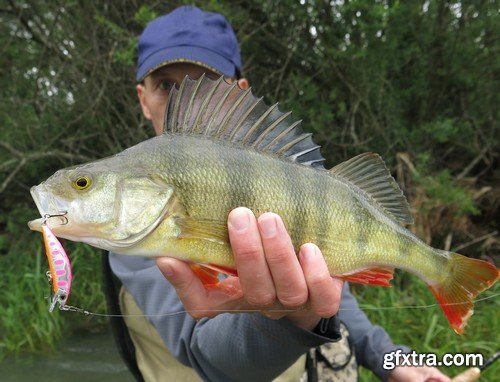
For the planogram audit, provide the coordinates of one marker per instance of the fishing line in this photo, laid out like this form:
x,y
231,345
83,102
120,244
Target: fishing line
x,y
69,308
421,306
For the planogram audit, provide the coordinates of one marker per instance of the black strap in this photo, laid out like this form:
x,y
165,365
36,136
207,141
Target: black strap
x,y
126,348
329,327
311,366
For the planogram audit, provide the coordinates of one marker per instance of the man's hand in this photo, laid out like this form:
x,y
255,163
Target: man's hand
x,y
271,278
417,374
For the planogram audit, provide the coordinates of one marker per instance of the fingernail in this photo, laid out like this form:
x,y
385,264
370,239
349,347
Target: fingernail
x,y
268,225
239,219
309,251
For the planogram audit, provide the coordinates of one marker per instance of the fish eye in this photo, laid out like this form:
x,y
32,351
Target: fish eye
x,y
82,183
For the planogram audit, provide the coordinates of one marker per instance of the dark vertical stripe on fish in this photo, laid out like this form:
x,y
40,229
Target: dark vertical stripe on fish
x,y
293,188
332,226
404,246
241,183
319,217
363,228
189,167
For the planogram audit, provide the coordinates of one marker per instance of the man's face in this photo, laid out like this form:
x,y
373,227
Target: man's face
x,y
153,92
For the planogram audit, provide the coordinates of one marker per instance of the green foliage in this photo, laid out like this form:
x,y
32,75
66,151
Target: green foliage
x,y
442,190
144,15
409,313
125,42
441,131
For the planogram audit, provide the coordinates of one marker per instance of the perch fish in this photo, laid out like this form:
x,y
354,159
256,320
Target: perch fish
x,y
223,148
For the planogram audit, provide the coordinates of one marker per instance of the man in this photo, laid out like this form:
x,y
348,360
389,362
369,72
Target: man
x,y
293,296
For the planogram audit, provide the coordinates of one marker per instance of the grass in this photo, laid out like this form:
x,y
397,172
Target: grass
x,y
426,330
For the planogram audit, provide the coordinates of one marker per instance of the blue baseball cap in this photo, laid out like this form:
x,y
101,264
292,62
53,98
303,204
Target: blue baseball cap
x,y
191,35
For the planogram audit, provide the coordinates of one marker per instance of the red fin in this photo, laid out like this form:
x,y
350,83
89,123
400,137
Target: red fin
x,y
222,269
208,277
466,279
371,276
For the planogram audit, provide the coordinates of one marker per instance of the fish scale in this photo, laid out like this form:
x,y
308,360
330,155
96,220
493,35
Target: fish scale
x,y
281,187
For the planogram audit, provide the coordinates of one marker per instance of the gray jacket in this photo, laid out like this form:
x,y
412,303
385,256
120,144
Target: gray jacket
x,y
241,346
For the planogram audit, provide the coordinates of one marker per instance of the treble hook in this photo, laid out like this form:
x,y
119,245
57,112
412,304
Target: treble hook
x,y
61,214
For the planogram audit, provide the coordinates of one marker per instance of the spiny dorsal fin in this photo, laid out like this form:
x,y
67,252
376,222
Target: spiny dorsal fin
x,y
226,112
369,172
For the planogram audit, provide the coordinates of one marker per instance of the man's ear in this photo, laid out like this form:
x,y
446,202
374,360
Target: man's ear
x,y
141,94
243,83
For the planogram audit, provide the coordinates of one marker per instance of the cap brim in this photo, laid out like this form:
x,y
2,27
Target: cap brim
x,y
193,55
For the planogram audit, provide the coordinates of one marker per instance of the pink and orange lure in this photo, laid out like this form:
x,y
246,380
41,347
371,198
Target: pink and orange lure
x,y
59,273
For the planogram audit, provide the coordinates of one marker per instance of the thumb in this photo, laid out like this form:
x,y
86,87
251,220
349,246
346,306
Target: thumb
x,y
187,285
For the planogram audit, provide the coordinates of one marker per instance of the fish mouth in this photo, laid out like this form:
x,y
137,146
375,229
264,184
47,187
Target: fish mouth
x,y
47,206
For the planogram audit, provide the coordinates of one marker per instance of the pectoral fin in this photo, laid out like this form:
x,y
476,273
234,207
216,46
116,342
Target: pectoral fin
x,y
211,230
208,277
222,269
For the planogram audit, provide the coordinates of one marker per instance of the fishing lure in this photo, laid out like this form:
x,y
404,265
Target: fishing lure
x,y
59,273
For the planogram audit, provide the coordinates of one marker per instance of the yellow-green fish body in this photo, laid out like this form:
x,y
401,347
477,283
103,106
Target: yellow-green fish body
x,y
212,178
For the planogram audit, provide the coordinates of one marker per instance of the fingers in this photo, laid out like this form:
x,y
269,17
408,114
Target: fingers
x,y
268,267
188,286
199,300
270,271
324,290
291,288
254,274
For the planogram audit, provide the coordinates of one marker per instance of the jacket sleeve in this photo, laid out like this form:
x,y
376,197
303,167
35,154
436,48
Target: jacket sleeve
x,y
370,342
228,347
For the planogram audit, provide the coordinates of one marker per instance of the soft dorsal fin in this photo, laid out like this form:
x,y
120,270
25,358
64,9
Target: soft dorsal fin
x,y
226,112
369,172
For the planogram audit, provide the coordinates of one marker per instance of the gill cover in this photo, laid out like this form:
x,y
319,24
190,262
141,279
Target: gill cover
x,y
141,205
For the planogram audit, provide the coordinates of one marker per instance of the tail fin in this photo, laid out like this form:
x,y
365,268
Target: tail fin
x,y
467,278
